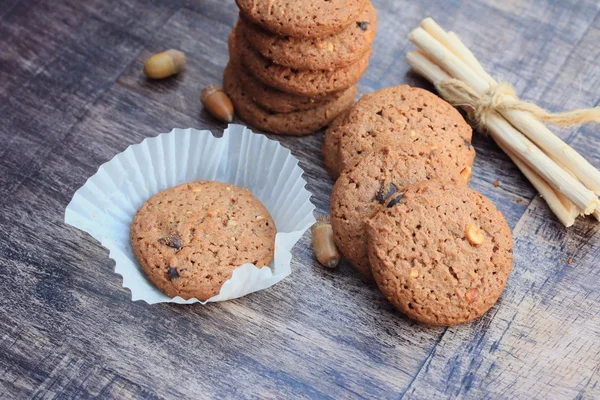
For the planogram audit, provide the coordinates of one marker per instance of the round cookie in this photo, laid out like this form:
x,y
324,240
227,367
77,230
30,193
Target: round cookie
x,y
297,123
441,254
366,188
305,83
190,238
403,114
327,53
276,100
330,145
302,18
330,142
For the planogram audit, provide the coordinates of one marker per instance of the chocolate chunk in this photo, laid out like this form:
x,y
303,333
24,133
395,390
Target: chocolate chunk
x,y
172,240
395,201
382,196
172,274
363,25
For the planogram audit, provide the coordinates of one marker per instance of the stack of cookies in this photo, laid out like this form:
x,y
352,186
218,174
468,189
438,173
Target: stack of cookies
x,y
294,65
401,211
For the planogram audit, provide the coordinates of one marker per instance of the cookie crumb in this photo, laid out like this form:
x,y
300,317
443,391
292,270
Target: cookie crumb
x,y
496,183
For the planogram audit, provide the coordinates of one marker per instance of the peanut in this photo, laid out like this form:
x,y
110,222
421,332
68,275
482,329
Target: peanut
x,y
323,245
165,64
472,295
466,174
474,235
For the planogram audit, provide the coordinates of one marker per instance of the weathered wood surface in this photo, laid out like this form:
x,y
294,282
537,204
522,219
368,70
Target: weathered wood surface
x,y
72,97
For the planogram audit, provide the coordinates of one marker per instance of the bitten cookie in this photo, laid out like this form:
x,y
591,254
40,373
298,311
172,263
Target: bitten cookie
x,y
276,100
367,187
403,114
190,238
305,83
293,123
327,53
441,254
301,18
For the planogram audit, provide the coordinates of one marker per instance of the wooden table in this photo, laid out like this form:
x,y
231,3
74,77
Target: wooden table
x,y
72,96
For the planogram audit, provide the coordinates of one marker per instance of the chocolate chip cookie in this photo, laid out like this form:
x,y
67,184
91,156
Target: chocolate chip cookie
x,y
441,253
302,18
275,100
327,53
190,238
301,82
368,187
402,114
296,123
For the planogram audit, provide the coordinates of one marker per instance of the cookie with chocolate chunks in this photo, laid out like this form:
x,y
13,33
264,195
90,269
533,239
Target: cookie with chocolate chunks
x,y
300,82
401,114
190,238
327,53
297,123
442,254
377,181
272,99
304,19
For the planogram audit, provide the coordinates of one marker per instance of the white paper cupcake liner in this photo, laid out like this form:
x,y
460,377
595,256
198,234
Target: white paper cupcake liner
x,y
104,207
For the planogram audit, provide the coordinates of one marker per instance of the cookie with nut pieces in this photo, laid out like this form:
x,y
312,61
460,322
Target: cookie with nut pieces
x,y
275,100
375,183
190,238
327,53
297,123
401,114
441,254
300,82
300,18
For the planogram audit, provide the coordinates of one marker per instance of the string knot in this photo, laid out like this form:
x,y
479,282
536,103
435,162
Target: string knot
x,y
501,98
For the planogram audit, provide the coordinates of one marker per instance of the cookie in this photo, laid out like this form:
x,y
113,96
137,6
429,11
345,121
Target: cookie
x,y
302,18
296,123
365,188
441,254
403,114
190,238
277,101
330,145
305,83
327,53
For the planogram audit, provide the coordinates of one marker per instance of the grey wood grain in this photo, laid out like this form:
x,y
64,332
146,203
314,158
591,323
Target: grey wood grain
x,y
72,97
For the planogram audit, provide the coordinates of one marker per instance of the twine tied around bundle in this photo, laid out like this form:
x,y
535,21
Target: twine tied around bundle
x,y
502,97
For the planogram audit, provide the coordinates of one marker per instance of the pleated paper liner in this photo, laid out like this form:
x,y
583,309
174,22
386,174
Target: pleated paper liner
x,y
104,207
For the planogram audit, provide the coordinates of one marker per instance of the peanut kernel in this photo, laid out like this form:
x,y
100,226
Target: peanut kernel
x,y
165,64
324,246
472,295
466,173
474,235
